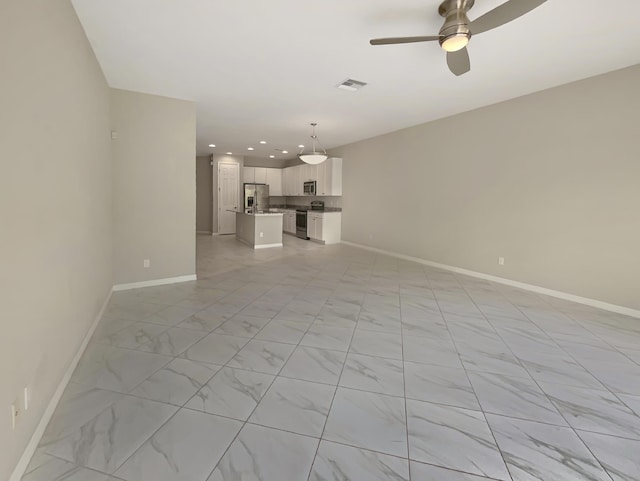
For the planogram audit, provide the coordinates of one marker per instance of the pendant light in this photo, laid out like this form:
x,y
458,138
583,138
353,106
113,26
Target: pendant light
x,y
313,157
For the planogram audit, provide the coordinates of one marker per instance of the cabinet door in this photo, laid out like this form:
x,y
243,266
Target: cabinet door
x,y
286,181
296,180
314,226
334,176
318,228
321,185
248,175
311,232
292,222
274,179
330,177
261,175
308,172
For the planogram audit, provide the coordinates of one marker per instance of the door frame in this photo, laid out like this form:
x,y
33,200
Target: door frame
x,y
219,189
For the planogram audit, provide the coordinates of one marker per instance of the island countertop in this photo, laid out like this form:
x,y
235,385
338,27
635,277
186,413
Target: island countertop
x,y
256,214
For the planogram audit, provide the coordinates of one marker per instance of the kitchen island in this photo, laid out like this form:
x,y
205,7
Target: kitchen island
x,y
259,230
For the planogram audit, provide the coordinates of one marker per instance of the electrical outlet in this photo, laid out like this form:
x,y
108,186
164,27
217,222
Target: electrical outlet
x,y
261,234
500,261
146,263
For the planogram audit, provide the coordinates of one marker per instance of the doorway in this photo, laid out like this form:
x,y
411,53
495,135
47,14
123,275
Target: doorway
x,y
228,196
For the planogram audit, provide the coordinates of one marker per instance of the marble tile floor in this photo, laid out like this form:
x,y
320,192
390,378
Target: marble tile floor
x,y
319,363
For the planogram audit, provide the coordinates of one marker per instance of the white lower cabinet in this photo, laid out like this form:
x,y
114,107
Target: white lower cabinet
x,y
289,222
324,227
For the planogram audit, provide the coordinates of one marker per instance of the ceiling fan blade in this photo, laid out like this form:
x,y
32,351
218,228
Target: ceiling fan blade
x,y
502,14
392,40
459,62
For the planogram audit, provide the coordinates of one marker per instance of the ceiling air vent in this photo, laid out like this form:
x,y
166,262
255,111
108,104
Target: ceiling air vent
x,y
351,85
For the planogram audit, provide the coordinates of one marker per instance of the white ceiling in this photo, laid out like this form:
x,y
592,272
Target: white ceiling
x,y
263,70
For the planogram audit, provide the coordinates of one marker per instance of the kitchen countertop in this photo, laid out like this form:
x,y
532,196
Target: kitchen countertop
x,y
305,207
256,214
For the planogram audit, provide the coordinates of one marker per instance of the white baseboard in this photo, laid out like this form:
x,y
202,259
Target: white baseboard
x,y
263,246
501,280
267,246
154,282
25,459
207,232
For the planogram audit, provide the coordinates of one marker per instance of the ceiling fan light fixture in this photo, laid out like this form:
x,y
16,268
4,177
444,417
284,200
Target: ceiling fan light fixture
x,y
454,42
314,157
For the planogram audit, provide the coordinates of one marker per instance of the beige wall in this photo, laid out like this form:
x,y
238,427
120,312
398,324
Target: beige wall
x,y
154,186
204,194
55,205
550,181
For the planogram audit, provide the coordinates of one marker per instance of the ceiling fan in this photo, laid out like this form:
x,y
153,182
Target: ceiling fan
x,y
457,29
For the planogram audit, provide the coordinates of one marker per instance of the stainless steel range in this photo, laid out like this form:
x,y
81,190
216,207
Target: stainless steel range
x,y
301,223
301,218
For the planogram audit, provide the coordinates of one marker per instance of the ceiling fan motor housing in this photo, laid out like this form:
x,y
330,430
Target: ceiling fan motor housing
x,y
456,22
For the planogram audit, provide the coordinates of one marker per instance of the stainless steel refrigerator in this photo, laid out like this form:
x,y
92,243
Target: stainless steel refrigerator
x,y
256,198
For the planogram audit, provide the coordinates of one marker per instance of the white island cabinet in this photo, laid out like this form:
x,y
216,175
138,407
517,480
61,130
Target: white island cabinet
x,y
259,231
324,227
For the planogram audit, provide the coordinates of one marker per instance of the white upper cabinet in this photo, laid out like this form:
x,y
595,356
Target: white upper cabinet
x,y
274,180
330,177
260,175
287,184
308,172
289,181
296,180
248,175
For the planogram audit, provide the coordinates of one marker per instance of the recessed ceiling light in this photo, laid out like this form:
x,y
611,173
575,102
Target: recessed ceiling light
x,y
250,148
301,146
212,145
263,142
229,153
272,156
285,151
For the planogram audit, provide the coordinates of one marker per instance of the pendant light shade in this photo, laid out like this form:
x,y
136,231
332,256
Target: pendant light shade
x,y
313,157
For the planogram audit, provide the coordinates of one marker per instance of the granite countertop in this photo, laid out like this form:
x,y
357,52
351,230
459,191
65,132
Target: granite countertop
x,y
257,214
260,214
304,207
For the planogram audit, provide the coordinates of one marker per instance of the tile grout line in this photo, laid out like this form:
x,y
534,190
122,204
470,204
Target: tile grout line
x,y
276,376
569,426
502,456
315,456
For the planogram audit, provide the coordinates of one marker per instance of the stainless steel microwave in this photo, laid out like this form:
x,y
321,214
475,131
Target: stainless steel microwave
x,y
310,188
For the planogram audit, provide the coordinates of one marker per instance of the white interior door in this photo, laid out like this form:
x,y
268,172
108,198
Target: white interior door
x,y
228,197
